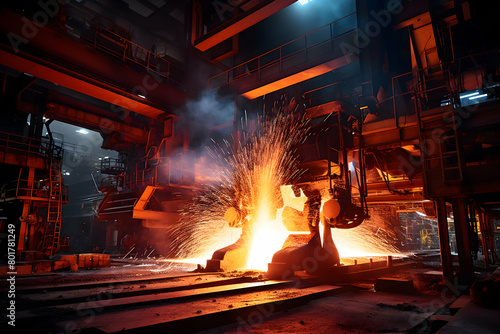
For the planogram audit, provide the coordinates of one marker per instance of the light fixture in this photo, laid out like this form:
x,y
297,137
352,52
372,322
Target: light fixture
x,y
421,214
82,131
478,96
303,2
469,95
141,96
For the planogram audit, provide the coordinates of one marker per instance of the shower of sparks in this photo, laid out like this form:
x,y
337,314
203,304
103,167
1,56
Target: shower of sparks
x,y
248,173
362,241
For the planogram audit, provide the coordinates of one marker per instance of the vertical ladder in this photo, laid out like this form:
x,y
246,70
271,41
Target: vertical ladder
x,y
449,151
451,155
52,233
439,143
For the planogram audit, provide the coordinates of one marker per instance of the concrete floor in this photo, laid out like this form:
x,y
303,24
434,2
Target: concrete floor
x,y
358,309
365,311
472,318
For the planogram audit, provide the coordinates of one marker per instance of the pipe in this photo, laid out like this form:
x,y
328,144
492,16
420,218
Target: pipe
x,y
95,184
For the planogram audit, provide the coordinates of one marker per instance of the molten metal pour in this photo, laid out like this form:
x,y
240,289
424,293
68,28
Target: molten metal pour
x,y
308,242
252,191
271,231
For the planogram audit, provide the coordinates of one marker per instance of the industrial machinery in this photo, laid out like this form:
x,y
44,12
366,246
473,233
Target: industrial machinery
x,y
401,102
40,192
327,185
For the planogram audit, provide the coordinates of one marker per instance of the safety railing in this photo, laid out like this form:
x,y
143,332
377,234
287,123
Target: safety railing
x,y
419,89
27,146
335,91
299,51
407,90
175,171
112,166
38,189
114,40
10,142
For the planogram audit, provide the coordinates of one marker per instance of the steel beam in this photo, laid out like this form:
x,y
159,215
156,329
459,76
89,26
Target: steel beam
x,y
54,57
412,197
23,159
299,76
72,81
241,22
95,122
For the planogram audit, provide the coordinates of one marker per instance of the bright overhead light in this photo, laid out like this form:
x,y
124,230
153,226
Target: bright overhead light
x,y
303,2
478,96
82,131
141,96
421,214
469,95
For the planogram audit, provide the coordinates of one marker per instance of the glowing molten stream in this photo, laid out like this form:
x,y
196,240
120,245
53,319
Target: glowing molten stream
x,y
268,236
269,233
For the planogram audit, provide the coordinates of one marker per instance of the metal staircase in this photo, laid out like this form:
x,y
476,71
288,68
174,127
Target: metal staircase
x,y
51,238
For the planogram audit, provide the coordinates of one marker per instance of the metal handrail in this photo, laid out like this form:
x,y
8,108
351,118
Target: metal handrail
x,y
10,141
38,189
149,176
308,95
148,60
281,57
420,91
28,146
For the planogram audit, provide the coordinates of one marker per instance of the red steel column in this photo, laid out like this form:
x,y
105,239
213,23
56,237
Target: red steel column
x,y
466,272
444,240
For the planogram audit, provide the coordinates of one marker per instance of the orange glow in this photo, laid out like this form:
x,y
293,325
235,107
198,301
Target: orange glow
x,y
226,236
251,181
355,243
268,237
300,76
267,230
